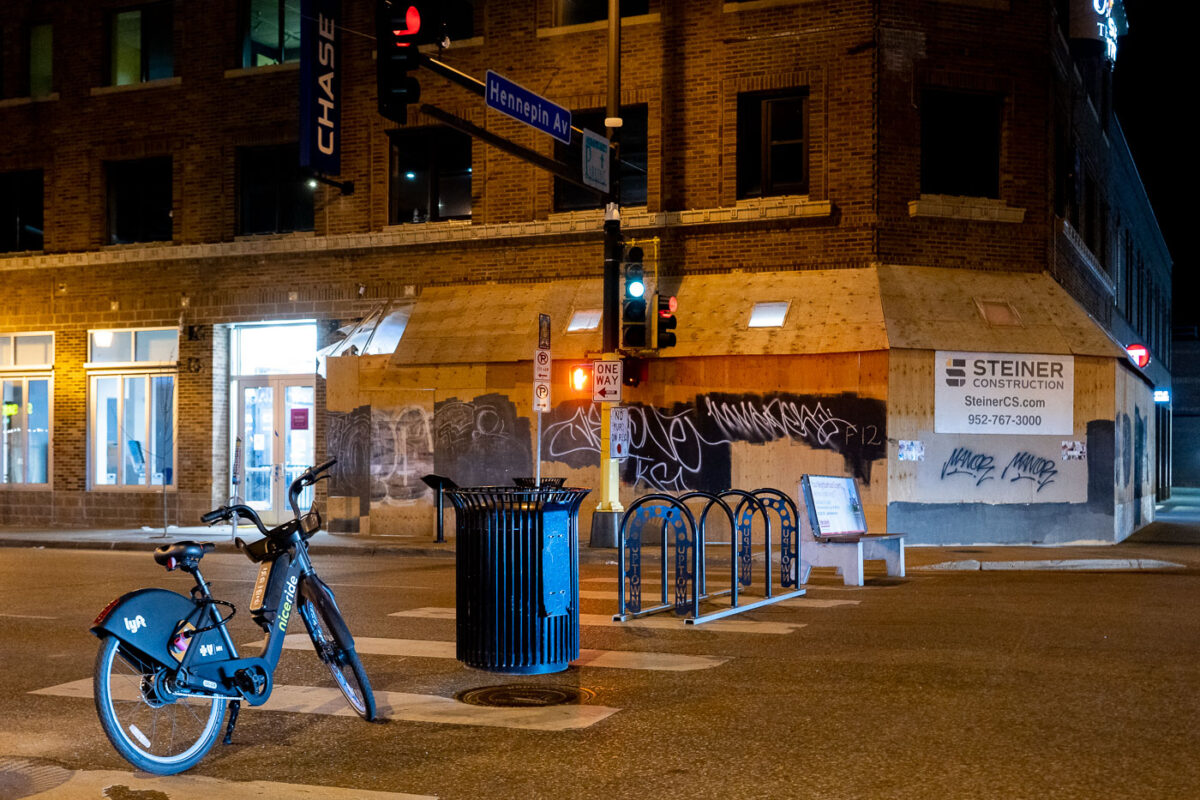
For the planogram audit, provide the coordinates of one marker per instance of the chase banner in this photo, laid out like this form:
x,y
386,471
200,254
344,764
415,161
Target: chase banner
x,y
321,86
1013,393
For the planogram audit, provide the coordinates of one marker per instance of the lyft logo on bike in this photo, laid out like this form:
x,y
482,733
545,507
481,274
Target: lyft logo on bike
x,y
289,596
136,624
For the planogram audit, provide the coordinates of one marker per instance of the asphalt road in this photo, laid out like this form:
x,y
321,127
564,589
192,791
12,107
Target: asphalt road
x,y
943,684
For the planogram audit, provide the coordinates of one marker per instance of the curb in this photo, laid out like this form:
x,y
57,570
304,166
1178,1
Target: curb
x,y
1055,565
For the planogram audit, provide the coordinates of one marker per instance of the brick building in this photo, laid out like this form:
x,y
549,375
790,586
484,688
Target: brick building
x,y
910,182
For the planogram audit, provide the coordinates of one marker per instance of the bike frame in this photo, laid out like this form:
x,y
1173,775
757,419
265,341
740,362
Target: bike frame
x,y
209,665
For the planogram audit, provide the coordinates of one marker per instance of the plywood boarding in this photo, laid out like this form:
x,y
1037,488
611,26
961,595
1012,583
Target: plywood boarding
x,y
935,309
830,311
495,322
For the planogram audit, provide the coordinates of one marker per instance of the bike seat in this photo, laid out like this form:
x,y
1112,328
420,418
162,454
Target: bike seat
x,y
185,552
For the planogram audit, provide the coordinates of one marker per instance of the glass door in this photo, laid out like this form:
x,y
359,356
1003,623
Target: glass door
x,y
277,427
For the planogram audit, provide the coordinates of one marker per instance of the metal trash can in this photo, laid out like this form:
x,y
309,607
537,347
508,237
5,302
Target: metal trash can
x,y
517,578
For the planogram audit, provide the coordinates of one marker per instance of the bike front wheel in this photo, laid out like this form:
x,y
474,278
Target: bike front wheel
x,y
150,727
343,663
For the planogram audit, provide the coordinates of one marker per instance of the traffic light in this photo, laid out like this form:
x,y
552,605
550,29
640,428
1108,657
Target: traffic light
x,y
633,304
664,321
400,27
580,377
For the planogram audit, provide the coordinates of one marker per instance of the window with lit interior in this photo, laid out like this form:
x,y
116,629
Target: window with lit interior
x,y
772,143
430,175
26,390
41,60
140,44
132,407
270,32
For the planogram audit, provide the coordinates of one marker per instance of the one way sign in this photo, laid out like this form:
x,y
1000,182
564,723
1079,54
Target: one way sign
x,y
606,381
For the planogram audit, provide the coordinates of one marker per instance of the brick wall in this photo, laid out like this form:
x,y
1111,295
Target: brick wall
x,y
861,62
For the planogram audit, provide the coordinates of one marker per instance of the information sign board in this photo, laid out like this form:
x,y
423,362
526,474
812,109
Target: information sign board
x,y
619,432
1009,393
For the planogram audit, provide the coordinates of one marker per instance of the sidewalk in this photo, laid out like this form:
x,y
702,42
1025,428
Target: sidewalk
x,y
1174,537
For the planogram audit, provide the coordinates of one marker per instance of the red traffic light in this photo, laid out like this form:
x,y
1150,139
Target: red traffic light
x,y
667,306
412,22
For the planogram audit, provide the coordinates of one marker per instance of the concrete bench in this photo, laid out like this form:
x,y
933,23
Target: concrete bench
x,y
834,531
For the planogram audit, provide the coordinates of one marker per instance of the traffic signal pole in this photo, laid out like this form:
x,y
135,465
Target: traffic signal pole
x,y
607,517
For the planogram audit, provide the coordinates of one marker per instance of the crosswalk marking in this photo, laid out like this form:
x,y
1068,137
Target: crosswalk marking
x,y
404,706
97,783
613,659
657,622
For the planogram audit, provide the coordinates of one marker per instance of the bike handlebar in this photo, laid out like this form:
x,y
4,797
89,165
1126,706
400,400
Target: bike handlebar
x,y
306,479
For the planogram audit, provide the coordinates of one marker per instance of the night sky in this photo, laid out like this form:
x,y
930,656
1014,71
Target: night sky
x,y
1153,93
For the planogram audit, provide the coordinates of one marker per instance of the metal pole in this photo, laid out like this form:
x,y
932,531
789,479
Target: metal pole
x,y
441,534
607,516
537,479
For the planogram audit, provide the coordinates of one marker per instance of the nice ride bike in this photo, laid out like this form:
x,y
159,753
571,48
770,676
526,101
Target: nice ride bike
x,y
167,667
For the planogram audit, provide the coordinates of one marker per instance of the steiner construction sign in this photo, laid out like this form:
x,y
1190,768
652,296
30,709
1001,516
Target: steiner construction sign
x,y
1014,393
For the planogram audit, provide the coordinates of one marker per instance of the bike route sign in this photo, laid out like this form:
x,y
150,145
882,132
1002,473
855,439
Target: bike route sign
x,y
523,105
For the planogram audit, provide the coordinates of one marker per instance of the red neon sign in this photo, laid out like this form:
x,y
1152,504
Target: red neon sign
x,y
412,19
1139,354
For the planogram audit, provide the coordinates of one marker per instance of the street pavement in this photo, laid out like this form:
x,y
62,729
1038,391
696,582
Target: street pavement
x,y
975,682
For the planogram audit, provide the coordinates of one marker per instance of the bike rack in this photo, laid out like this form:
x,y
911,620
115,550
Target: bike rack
x,y
673,516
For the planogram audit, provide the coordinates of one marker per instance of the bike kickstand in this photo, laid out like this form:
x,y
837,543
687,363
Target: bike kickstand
x,y
234,707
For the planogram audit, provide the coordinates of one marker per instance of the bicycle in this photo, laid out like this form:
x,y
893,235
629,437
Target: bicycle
x,y
167,666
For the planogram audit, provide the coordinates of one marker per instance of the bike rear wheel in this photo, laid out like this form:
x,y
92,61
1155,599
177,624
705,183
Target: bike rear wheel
x,y
150,727
343,663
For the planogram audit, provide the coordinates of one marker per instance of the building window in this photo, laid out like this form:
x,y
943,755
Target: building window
x,y
140,45
133,429
132,412
634,158
25,392
271,32
41,60
139,200
272,197
430,175
960,143
21,209
772,144
576,12
158,346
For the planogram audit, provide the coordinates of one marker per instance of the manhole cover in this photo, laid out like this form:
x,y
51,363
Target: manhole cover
x,y
20,777
520,696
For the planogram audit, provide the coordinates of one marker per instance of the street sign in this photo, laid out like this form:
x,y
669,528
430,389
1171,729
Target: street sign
x,y
606,381
619,432
541,396
544,331
541,365
523,105
595,160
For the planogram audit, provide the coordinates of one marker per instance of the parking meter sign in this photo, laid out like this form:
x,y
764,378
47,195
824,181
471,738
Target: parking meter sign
x,y
619,433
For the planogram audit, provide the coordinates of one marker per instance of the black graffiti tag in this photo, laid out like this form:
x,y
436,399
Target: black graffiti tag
x,y
965,461
1026,466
